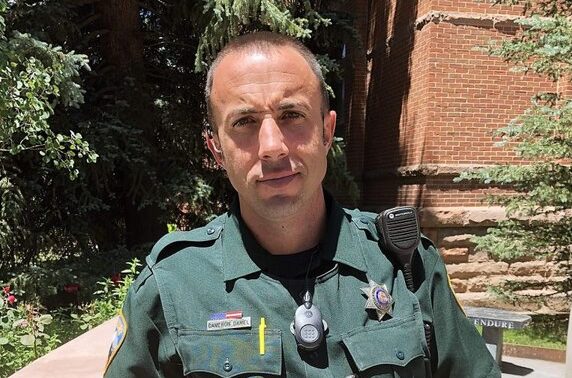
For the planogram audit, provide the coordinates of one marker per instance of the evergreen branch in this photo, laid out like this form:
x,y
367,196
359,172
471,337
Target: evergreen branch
x,y
544,47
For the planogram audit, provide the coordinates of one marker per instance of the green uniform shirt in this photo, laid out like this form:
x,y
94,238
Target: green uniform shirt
x,y
190,276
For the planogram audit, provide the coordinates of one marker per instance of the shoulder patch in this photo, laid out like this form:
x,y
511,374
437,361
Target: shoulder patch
x,y
118,338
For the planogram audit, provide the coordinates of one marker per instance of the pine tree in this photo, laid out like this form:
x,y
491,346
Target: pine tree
x,y
538,195
35,79
142,112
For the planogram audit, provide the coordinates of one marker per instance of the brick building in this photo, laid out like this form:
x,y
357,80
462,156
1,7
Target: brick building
x,y
422,104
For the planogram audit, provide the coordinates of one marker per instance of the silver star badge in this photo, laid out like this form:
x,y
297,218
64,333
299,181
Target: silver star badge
x,y
378,299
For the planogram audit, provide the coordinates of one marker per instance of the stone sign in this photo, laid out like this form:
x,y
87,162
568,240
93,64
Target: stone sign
x,y
491,317
493,322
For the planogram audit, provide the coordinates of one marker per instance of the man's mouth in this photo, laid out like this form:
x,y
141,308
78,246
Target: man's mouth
x,y
278,179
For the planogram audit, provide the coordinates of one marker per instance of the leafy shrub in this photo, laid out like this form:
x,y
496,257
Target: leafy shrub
x,y
109,299
25,333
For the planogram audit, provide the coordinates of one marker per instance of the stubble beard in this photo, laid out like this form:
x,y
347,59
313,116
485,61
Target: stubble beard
x,y
279,206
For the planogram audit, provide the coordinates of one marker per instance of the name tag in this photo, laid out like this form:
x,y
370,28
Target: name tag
x,y
213,325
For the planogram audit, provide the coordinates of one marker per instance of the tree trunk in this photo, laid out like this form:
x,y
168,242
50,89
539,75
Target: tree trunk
x,y
123,49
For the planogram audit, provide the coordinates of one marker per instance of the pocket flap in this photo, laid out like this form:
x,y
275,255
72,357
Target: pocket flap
x,y
230,353
393,342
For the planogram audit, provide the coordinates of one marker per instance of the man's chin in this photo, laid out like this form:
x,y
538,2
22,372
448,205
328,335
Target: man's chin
x,y
281,199
281,205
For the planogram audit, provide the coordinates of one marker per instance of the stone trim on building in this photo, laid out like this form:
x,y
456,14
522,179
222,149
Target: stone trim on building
x,y
478,20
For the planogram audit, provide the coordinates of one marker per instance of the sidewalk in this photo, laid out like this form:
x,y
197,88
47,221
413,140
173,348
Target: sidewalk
x,y
525,367
85,357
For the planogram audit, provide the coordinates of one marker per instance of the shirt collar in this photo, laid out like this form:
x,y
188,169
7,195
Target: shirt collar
x,y
242,255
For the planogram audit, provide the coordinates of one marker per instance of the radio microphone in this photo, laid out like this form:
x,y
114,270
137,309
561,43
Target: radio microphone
x,y
399,230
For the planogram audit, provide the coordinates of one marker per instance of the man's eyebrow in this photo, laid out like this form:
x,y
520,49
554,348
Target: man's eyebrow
x,y
242,111
287,105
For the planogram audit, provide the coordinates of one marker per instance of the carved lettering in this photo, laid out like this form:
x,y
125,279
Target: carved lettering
x,y
493,323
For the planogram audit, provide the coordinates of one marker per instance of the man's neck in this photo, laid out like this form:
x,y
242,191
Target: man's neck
x,y
298,232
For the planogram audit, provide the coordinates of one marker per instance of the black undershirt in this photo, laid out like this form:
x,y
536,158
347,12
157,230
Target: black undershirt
x,y
297,265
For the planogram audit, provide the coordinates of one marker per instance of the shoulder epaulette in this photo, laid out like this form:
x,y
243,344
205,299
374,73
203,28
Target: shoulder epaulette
x,y
427,242
364,220
177,240
141,278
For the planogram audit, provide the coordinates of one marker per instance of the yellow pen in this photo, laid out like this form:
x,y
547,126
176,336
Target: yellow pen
x,y
261,328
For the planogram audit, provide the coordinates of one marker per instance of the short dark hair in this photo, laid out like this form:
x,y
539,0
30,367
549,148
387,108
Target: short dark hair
x,y
264,41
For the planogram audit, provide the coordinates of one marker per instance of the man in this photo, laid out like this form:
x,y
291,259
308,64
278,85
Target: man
x,y
221,300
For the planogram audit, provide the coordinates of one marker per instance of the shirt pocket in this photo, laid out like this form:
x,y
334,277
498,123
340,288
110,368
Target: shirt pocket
x,y
230,353
392,348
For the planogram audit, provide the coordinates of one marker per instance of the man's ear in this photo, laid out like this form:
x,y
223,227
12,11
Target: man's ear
x,y
329,128
213,145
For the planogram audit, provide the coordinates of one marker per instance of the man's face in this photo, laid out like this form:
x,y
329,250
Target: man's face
x,y
271,130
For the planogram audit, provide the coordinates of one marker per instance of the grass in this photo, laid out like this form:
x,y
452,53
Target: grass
x,y
523,337
544,331
66,330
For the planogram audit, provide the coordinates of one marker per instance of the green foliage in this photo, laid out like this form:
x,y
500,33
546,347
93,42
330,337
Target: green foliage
x,y
108,299
28,331
538,192
545,331
227,19
25,335
338,177
329,67
542,7
12,206
141,109
545,46
35,78
37,283
3,7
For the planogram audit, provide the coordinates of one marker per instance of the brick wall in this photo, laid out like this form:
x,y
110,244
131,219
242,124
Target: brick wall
x,y
435,99
432,102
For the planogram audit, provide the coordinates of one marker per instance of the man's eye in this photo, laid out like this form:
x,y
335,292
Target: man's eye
x,y
291,115
243,122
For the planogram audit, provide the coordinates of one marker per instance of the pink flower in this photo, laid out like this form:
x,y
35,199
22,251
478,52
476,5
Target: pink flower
x,y
11,299
6,289
71,288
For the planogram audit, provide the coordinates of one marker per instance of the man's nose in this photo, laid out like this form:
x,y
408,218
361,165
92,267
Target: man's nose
x,y
271,141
